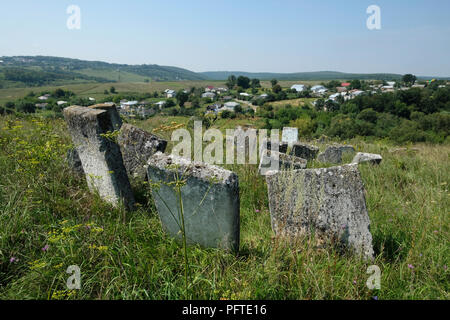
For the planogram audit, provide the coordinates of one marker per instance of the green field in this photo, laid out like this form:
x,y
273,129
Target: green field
x,y
50,221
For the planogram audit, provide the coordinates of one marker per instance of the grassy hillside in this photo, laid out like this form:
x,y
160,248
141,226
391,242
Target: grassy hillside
x,y
41,70
50,221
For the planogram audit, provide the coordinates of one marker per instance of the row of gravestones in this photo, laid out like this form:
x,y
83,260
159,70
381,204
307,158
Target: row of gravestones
x,y
329,202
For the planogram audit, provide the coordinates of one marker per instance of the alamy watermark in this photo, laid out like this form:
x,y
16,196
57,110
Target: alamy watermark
x,y
74,20
74,281
374,20
241,147
374,281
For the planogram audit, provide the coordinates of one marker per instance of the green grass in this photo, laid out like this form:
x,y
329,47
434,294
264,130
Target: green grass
x,y
127,255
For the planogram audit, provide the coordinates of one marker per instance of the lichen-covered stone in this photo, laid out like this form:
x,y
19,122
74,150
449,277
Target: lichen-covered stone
x,y
304,151
280,160
100,156
210,197
332,154
328,202
367,157
137,146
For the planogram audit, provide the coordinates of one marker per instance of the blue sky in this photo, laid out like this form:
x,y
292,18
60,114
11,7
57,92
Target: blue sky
x,y
245,35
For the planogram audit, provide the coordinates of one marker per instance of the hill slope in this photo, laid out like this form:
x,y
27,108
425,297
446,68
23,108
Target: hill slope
x,y
39,70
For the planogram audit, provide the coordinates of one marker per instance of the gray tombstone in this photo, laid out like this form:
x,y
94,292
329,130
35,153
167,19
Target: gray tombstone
x,y
210,197
304,151
332,154
367,157
100,156
137,146
268,144
328,202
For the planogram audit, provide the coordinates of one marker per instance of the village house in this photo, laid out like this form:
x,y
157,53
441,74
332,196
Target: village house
x,y
298,87
170,93
210,95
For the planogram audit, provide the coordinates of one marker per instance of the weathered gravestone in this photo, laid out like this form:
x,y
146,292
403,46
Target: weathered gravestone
x,y
304,151
328,202
137,146
367,157
289,135
332,154
210,198
281,161
73,158
100,156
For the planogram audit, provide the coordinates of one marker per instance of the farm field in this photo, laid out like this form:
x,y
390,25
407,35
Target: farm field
x,y
51,221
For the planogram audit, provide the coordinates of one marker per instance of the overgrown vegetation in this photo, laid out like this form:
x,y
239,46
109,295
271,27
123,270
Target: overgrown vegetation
x,y
50,221
414,115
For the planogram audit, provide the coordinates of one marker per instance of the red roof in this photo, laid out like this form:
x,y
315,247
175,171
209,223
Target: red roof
x,y
210,87
345,84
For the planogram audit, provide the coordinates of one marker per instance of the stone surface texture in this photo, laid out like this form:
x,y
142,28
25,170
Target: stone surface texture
x,y
289,135
332,154
367,157
304,151
210,197
328,202
137,146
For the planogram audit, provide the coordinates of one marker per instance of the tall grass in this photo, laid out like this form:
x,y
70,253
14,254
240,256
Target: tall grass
x,y
49,221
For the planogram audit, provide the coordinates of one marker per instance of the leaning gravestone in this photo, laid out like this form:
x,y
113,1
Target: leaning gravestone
x,y
137,146
290,135
281,161
332,154
101,157
367,157
304,151
210,197
328,202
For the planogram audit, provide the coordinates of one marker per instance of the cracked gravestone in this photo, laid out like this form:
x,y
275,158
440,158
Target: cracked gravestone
x,y
100,156
328,202
137,146
210,197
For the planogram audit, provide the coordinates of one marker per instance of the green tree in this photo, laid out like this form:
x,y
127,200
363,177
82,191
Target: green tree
x,y
409,79
277,88
182,97
231,82
243,82
274,82
113,90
